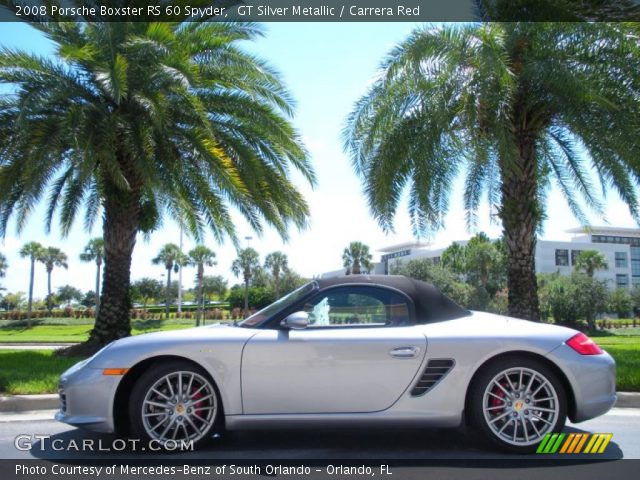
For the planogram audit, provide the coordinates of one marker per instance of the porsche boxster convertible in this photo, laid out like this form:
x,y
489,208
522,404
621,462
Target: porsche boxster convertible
x,y
346,351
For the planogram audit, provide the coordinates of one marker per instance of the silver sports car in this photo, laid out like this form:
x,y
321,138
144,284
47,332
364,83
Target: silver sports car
x,y
355,350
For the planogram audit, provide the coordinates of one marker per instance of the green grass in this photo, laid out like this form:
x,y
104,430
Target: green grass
x,y
31,371
79,332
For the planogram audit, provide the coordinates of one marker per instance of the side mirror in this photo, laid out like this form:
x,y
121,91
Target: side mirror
x,y
296,321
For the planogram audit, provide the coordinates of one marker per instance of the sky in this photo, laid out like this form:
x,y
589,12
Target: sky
x,y
327,67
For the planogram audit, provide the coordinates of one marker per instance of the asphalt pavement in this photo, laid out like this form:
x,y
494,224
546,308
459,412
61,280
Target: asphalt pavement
x,y
398,444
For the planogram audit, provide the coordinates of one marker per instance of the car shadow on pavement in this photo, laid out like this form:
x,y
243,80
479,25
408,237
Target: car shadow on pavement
x,y
396,445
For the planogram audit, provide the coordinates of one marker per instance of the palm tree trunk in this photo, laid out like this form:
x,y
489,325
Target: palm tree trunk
x,y
167,294
246,297
49,306
98,265
276,284
200,310
520,216
120,227
30,306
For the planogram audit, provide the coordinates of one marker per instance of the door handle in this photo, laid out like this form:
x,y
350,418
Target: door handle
x,y
404,352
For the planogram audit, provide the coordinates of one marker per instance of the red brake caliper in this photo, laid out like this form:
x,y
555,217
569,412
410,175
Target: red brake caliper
x,y
196,396
498,400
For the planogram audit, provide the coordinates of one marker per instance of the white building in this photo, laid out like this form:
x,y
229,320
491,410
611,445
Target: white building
x,y
620,246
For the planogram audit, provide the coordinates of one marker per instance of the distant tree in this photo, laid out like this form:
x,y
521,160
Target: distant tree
x,y
201,257
14,301
357,259
52,257
485,264
214,285
89,299
620,301
290,281
146,289
33,251
170,257
454,258
261,277
94,252
424,269
593,297
245,265
277,264
558,299
68,293
590,261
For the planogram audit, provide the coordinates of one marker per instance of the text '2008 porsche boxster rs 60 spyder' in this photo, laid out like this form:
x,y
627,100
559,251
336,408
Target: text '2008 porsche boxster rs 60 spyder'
x,y
346,351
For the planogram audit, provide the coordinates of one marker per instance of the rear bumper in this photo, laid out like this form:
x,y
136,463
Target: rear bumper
x,y
592,379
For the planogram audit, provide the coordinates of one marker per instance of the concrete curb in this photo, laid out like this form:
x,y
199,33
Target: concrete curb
x,y
30,403
26,403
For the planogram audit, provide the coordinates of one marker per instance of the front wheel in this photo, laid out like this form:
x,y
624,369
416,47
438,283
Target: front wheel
x,y
174,405
515,402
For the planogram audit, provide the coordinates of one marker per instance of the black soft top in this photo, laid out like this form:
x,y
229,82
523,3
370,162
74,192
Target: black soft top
x,y
431,304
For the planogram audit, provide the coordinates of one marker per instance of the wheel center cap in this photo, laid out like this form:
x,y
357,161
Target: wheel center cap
x,y
518,405
180,408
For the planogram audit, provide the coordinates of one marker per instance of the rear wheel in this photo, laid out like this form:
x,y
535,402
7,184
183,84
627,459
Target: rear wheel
x,y
173,405
516,401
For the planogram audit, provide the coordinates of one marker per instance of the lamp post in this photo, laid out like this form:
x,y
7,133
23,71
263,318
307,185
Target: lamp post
x,y
180,277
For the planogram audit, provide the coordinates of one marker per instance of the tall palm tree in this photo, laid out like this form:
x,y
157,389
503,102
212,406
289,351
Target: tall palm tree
x,y
33,251
357,259
516,106
52,257
590,261
277,263
199,257
94,252
246,264
171,257
129,121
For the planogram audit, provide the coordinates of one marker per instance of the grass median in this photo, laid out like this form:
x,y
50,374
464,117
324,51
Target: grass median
x,y
78,331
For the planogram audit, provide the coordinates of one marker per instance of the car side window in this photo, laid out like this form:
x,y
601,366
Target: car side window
x,y
354,306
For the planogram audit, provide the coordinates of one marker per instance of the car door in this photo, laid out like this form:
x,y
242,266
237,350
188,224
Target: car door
x,y
359,353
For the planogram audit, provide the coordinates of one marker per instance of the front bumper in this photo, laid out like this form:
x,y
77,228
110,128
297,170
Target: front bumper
x,y
86,397
592,379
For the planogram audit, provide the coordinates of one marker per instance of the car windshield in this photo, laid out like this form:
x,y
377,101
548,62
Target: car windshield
x,y
267,312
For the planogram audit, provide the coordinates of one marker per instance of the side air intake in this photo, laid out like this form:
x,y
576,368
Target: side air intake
x,y
435,371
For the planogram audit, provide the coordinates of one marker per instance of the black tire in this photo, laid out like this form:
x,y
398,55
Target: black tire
x,y
503,402
204,411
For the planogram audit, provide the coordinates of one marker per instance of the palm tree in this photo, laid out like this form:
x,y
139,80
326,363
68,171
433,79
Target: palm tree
x,y
515,105
171,257
246,264
129,121
357,259
199,257
52,257
277,263
94,252
590,261
454,258
34,251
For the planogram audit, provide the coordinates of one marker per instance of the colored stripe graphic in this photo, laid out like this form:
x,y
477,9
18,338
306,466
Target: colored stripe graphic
x,y
550,443
573,443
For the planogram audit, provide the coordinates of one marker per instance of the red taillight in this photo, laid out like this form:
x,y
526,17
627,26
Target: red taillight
x,y
584,345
